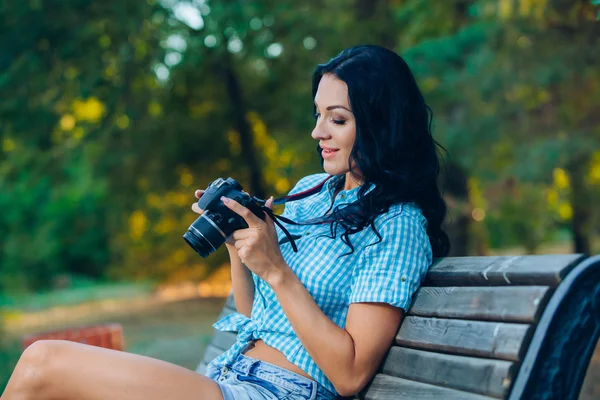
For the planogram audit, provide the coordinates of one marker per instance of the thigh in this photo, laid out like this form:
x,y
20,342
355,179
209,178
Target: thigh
x,y
82,372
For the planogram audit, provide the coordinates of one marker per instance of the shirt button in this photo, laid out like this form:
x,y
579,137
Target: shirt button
x,y
343,195
403,278
224,370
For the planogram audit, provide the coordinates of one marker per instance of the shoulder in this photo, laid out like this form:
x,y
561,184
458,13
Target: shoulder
x,y
402,223
403,214
309,182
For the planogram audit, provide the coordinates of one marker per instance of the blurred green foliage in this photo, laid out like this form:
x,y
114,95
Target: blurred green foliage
x,y
112,114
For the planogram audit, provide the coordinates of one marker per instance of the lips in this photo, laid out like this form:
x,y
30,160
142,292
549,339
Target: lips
x,y
327,152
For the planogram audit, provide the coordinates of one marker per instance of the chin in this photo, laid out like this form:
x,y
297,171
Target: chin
x,y
334,169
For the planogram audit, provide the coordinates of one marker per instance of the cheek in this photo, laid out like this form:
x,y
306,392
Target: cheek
x,y
349,137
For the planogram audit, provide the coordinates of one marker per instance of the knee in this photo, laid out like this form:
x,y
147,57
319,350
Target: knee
x,y
33,372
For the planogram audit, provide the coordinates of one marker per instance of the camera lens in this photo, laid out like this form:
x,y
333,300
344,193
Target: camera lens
x,y
204,235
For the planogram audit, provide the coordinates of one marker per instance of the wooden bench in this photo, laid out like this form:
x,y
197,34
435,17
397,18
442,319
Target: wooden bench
x,y
488,327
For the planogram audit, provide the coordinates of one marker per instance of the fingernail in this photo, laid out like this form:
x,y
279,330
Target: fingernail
x,y
224,199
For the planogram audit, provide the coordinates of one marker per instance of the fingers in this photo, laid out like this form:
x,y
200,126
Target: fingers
x,y
241,234
197,209
198,193
269,203
252,220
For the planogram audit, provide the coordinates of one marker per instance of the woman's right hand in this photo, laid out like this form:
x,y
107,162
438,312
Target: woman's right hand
x,y
230,241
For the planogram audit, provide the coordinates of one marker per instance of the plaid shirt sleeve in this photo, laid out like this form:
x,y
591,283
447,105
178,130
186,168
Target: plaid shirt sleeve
x,y
392,270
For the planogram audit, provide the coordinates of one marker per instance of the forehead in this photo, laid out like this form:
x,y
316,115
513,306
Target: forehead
x,y
331,91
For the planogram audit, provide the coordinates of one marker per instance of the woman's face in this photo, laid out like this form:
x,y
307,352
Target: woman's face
x,y
335,128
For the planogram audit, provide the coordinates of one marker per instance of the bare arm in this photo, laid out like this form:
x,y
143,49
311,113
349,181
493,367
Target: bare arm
x,y
242,283
241,277
348,357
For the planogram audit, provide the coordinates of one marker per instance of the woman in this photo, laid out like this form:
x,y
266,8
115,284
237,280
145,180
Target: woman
x,y
322,318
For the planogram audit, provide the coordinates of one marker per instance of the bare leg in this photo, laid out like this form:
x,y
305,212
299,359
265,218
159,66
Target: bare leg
x,y
62,370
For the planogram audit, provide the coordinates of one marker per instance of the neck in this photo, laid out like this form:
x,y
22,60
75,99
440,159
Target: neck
x,y
350,183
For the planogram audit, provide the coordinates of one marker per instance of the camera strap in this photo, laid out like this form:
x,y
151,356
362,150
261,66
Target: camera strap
x,y
351,210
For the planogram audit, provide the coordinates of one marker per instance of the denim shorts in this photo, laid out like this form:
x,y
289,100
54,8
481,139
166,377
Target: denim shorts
x,y
252,379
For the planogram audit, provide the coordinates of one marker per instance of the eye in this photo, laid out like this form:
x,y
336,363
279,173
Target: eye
x,y
339,121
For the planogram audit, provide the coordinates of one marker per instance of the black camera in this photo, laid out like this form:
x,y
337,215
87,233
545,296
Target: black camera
x,y
217,221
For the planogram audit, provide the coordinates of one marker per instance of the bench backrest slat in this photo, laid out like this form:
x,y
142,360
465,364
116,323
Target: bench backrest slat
x,y
545,270
224,340
522,304
508,304
386,387
470,374
467,332
497,340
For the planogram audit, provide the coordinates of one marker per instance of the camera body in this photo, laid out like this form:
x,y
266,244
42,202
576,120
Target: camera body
x,y
214,226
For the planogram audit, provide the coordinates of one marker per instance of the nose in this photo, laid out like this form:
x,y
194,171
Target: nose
x,y
319,132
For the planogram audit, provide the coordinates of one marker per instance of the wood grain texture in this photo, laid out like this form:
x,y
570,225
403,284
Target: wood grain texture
x,y
211,353
230,302
201,369
224,340
469,374
543,270
384,387
496,340
226,311
522,304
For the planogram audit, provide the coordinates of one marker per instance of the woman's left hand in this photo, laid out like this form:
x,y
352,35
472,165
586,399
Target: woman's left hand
x,y
257,245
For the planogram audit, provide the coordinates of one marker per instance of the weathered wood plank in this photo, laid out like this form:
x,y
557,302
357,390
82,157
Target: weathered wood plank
x,y
508,304
224,340
226,311
543,270
384,387
469,374
504,341
221,342
211,353
201,369
230,302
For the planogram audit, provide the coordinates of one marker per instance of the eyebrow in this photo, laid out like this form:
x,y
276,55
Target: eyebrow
x,y
334,107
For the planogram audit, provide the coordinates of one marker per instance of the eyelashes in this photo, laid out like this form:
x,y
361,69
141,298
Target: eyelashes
x,y
335,121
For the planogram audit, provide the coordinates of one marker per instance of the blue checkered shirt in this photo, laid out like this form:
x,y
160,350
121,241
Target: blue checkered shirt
x,y
389,272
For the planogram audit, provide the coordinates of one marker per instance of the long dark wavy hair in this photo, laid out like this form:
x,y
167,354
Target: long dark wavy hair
x,y
394,148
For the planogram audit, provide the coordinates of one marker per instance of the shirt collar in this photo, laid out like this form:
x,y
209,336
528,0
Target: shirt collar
x,y
350,195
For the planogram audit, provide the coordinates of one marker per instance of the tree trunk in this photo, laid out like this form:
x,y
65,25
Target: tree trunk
x,y
249,154
581,202
459,216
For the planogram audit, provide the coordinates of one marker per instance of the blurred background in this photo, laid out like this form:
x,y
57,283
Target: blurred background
x,y
113,112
